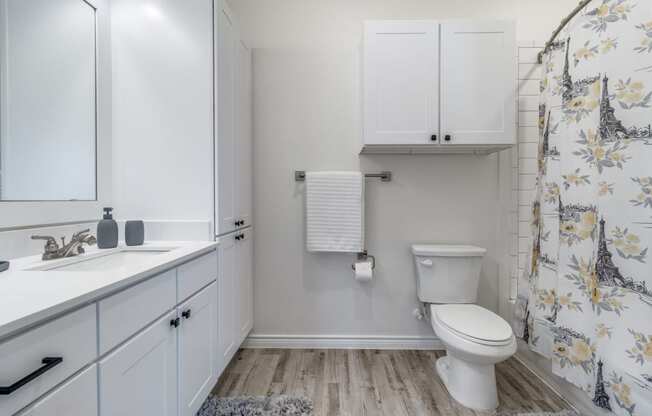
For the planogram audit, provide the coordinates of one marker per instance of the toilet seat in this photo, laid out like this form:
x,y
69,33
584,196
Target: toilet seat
x,y
473,323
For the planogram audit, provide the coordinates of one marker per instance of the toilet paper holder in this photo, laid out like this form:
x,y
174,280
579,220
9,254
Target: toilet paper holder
x,y
364,256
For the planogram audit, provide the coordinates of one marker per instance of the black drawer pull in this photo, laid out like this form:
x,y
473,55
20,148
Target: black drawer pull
x,y
48,364
174,323
186,314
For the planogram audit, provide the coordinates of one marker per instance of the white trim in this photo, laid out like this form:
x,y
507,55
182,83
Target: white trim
x,y
379,342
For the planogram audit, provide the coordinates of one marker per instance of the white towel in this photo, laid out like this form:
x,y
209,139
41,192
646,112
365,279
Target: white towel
x,y
335,211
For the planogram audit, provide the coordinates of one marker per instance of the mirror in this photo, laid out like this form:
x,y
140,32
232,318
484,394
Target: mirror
x,y
47,100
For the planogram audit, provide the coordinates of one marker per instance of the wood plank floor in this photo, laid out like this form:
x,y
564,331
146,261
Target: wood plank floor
x,y
372,382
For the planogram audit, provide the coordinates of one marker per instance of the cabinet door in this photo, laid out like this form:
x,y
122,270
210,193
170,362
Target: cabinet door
x,y
225,194
478,82
227,291
244,116
77,397
245,284
401,76
197,352
140,378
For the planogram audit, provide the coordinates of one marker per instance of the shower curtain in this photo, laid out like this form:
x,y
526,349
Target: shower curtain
x,y
585,300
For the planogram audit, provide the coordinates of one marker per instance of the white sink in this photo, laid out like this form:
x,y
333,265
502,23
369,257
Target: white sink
x,y
104,262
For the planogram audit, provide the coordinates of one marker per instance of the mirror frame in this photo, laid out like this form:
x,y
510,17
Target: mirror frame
x,y
27,214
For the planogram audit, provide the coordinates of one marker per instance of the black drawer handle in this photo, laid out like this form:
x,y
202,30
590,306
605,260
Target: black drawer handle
x,y
48,364
433,138
186,314
448,137
174,323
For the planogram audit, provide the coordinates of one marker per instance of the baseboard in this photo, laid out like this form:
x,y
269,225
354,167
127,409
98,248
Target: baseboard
x,y
375,342
575,397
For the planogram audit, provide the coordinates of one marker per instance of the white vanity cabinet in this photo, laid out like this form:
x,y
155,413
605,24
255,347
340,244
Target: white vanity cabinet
x,y
77,397
233,102
197,349
147,347
439,87
140,377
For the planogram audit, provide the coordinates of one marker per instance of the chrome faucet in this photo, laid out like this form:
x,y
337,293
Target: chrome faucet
x,y
74,247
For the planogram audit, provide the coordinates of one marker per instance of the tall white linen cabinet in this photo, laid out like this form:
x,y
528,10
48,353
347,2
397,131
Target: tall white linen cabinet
x,y
233,182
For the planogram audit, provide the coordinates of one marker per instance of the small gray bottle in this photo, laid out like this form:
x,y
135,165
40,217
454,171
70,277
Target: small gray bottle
x,y
107,231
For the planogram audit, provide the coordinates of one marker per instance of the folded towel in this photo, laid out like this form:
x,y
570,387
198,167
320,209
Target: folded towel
x,y
335,211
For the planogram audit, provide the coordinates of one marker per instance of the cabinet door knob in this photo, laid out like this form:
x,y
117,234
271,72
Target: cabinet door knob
x,y
175,322
186,314
433,138
447,137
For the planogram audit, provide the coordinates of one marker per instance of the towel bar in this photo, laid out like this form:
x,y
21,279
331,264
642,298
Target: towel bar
x,y
385,176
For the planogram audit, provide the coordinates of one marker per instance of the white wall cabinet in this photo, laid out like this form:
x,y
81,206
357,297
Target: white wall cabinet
x,y
439,87
401,82
233,104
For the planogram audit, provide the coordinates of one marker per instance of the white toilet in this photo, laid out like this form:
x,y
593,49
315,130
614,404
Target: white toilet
x,y
475,338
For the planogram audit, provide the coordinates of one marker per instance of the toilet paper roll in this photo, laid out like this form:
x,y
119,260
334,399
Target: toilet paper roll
x,y
363,271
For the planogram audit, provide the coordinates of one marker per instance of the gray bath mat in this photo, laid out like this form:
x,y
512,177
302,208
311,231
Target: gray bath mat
x,y
564,413
256,406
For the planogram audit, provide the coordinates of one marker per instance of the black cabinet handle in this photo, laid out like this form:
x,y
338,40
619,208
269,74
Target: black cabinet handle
x,y
239,237
433,138
447,137
48,364
175,322
239,223
186,314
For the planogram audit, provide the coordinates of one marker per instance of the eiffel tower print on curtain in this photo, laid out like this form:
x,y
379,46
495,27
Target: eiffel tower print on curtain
x,y
611,128
608,273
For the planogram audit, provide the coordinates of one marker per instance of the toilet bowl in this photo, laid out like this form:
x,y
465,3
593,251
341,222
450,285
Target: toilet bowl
x,y
475,338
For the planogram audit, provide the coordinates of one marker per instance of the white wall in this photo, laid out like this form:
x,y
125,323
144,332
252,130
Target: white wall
x,y
307,116
162,109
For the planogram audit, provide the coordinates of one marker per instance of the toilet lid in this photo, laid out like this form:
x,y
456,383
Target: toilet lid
x,y
474,322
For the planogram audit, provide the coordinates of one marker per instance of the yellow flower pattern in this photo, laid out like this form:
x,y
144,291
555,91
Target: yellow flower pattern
x,y
588,281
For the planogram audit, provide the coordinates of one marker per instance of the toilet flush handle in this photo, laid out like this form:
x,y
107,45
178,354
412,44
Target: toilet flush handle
x,y
426,262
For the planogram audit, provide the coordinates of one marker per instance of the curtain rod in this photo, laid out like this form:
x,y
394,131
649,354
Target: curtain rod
x,y
564,22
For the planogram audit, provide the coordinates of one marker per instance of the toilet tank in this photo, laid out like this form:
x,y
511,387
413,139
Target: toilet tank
x,y
448,273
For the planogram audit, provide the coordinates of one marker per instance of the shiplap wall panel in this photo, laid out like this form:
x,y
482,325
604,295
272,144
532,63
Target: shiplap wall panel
x,y
529,76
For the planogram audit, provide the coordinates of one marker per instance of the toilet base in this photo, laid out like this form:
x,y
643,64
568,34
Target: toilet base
x,y
472,385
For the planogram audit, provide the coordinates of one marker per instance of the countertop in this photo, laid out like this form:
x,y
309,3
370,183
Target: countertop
x,y
28,297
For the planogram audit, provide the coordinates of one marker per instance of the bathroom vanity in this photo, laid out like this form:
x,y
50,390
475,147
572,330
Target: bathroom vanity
x,y
123,331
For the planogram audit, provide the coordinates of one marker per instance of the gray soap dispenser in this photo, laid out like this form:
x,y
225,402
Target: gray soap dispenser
x,y
107,231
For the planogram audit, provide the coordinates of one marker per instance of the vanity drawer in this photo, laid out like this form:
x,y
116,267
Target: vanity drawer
x,y
77,397
125,313
196,274
70,343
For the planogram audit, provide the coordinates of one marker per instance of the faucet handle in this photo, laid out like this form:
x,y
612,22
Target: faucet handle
x,y
80,233
50,245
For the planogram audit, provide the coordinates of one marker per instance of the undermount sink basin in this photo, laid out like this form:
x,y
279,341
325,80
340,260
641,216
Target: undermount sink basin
x,y
104,262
